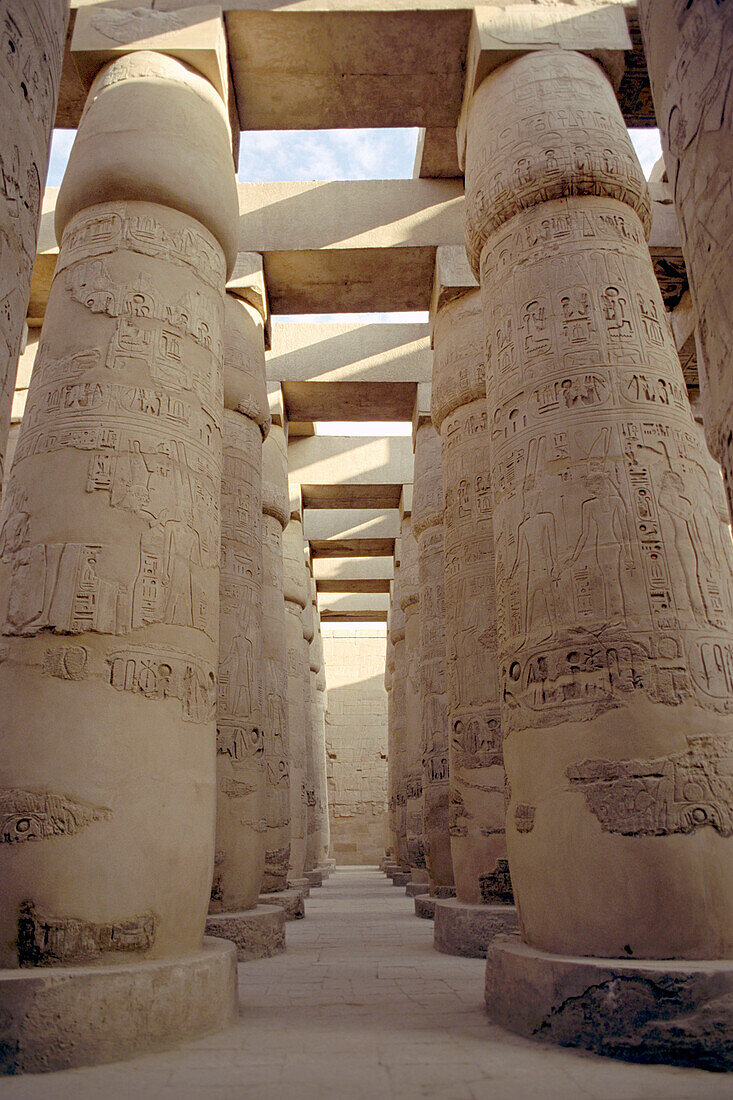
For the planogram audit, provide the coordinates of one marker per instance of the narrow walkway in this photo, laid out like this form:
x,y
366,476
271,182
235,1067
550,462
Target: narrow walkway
x,y
361,1006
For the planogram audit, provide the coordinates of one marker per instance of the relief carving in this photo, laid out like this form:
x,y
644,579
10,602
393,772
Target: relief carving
x,y
37,815
44,940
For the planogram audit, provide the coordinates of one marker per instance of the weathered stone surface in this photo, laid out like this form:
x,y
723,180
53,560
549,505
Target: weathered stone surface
x,y
680,1013
275,508
427,524
476,766
409,595
257,933
356,739
292,902
241,803
109,540
690,53
59,1018
425,906
399,718
464,929
400,878
296,594
313,877
30,70
612,590
414,889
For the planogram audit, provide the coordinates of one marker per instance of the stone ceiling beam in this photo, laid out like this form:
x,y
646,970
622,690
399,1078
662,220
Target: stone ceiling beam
x,y
353,607
369,523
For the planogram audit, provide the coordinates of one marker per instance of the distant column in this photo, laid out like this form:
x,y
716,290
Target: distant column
x,y
689,53
296,595
34,34
321,839
409,589
427,525
275,510
399,718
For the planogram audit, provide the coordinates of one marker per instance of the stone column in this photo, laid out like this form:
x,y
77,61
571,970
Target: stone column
x,y
391,851
399,718
616,711
689,53
241,803
34,33
275,509
409,603
483,906
312,876
109,583
318,711
427,526
296,596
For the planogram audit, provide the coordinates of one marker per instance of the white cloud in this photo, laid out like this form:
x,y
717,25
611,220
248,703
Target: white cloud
x,y
326,154
648,148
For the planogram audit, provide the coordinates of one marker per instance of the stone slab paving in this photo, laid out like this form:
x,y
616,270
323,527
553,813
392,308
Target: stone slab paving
x,y
362,1006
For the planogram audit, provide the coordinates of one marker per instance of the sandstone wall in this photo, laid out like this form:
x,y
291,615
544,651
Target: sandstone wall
x,y
356,743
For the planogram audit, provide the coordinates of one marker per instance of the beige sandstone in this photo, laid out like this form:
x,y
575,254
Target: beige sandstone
x,y
476,769
399,716
239,859
689,55
427,526
296,595
612,600
309,676
321,839
275,509
409,596
30,70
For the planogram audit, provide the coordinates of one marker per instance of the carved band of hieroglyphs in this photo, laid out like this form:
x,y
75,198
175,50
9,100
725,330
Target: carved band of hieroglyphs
x,y
679,793
496,885
37,815
47,941
240,742
164,674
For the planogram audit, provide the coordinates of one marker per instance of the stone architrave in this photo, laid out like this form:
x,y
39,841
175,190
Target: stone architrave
x,y
399,718
109,555
275,509
296,595
241,804
611,597
34,33
427,527
409,596
476,765
689,52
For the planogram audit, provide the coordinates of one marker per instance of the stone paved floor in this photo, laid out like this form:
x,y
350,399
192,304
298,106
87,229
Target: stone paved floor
x,y
361,1006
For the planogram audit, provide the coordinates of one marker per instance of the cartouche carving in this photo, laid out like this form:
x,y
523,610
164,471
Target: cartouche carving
x,y
37,815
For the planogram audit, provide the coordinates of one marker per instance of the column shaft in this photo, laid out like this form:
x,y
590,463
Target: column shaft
x,y
427,523
409,600
615,709
399,717
296,594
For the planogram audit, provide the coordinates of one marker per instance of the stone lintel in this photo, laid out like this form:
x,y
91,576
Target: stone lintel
x,y
353,607
350,460
362,246
194,35
277,406
357,548
348,574
350,496
436,156
421,412
501,34
453,278
330,523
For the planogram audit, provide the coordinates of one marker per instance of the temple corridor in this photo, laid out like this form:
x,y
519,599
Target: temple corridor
x,y
361,1005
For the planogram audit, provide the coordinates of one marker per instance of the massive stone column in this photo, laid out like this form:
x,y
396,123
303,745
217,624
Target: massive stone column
x,y
312,876
391,850
296,595
409,597
275,509
34,33
321,834
689,52
427,527
399,717
612,630
241,802
483,905
109,584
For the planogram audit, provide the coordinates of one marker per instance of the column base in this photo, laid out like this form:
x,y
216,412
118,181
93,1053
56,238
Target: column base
x,y
313,878
400,878
331,864
300,884
442,892
257,933
292,902
467,930
58,1018
325,870
390,867
414,889
672,1011
425,906
421,876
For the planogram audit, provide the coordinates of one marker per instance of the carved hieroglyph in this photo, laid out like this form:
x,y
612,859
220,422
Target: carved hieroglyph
x,y
427,526
689,50
476,766
318,834
391,850
33,35
274,654
614,598
109,564
239,859
309,676
298,683
409,589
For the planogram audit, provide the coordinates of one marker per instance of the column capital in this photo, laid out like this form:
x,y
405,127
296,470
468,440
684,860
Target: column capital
x,y
248,283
